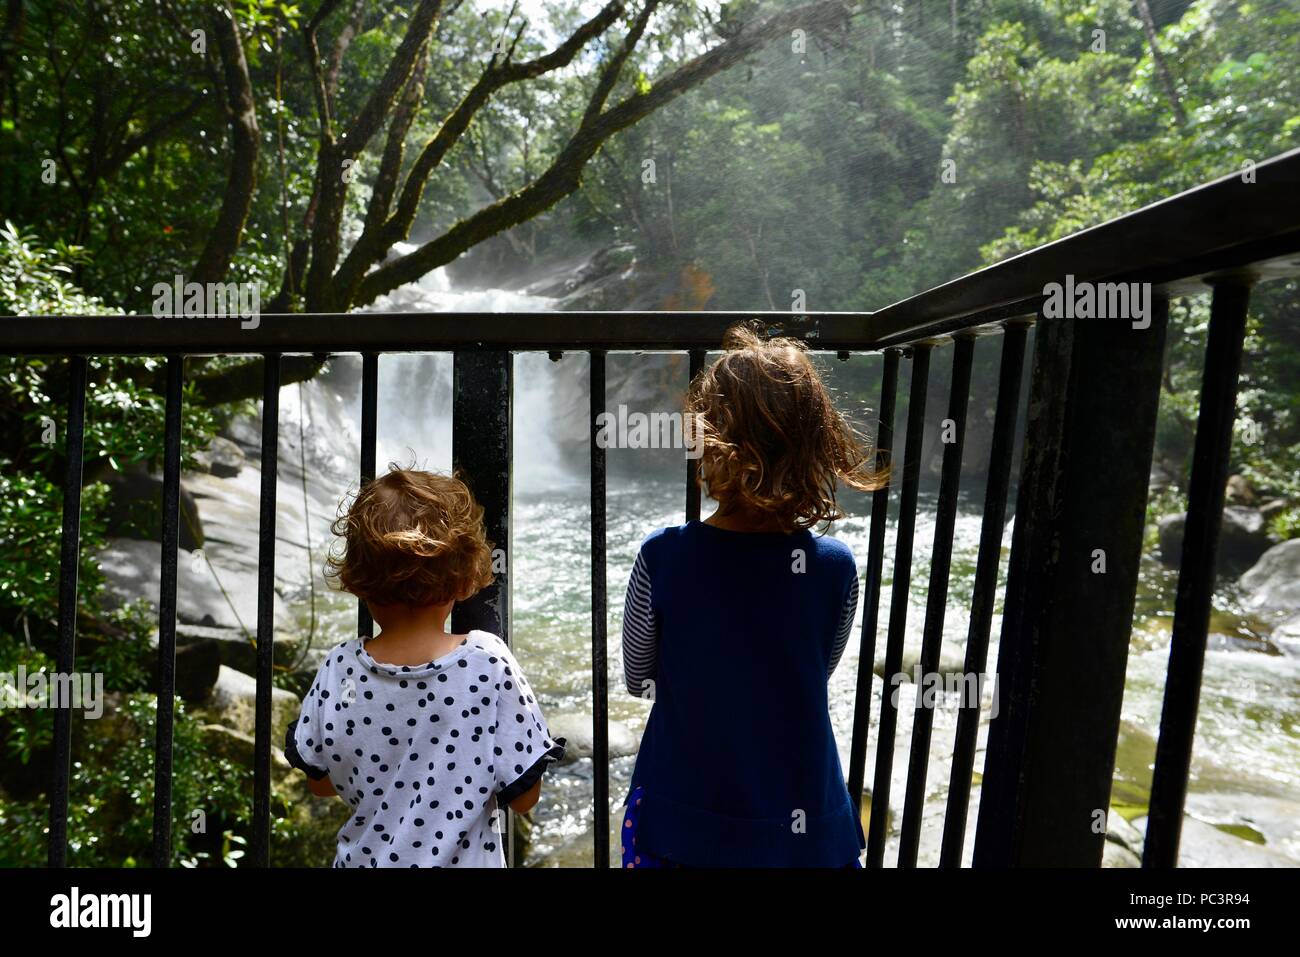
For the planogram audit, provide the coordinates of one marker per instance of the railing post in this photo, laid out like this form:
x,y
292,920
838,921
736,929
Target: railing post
x,y
599,621
482,446
1080,513
369,431
1191,627
69,566
871,588
694,364
261,846
165,713
909,477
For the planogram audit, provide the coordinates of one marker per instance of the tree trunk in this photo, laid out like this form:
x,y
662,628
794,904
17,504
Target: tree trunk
x,y
214,261
1165,78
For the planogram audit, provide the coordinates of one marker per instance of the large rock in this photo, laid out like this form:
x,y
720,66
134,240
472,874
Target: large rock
x,y
222,458
1272,586
577,731
223,599
233,703
136,508
1120,831
1286,636
1123,847
1116,855
1239,491
610,261
1243,537
241,748
238,649
1204,845
198,665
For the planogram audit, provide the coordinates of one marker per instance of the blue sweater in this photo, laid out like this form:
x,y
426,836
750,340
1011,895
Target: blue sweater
x,y
734,635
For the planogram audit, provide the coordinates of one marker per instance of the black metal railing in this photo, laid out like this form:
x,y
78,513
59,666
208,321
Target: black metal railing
x,y
1094,392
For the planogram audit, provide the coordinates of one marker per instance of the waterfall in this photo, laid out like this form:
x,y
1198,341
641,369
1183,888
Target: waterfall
x,y
415,390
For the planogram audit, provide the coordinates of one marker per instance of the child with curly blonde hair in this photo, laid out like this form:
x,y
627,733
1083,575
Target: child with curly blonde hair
x,y
424,733
733,626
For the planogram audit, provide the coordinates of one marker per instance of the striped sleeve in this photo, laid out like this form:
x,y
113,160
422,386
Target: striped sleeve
x,y
640,634
846,626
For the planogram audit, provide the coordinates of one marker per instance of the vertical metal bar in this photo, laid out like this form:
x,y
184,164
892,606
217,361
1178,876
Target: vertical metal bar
x,y
1071,585
696,364
599,666
266,611
986,583
936,603
482,452
898,600
871,594
369,429
69,555
165,710
1196,573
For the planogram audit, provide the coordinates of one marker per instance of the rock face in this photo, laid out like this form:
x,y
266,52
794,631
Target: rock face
x,y
612,262
1242,539
223,458
577,731
233,704
1272,586
228,601
198,665
137,508
1204,845
1286,636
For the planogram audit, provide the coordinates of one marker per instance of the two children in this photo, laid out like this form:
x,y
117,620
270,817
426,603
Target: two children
x,y
732,626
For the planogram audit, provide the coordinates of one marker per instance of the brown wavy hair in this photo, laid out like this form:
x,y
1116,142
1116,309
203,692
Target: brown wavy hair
x,y
773,441
412,538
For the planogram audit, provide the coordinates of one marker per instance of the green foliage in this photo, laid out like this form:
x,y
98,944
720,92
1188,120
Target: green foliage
x,y
36,280
111,806
31,518
110,815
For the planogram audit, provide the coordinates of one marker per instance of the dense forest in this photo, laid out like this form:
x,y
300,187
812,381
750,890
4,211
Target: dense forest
x,y
743,155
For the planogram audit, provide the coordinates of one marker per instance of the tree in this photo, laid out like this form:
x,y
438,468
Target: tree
x,y
372,86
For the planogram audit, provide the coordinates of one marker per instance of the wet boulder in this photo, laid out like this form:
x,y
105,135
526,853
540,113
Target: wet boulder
x,y
579,737
1271,588
1243,538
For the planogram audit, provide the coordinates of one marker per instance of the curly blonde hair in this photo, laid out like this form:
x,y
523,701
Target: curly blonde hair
x,y
773,441
412,538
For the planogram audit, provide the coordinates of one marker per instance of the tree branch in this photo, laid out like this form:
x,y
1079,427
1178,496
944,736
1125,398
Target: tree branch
x,y
609,75
564,174
245,381
133,144
325,238
374,244
319,87
380,101
341,44
224,239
